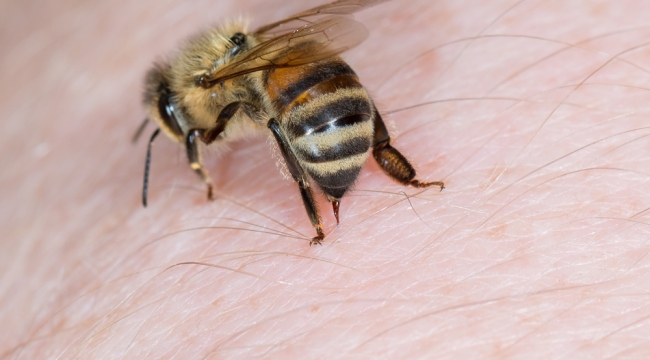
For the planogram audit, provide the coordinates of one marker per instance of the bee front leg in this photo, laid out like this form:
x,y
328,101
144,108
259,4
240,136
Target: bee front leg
x,y
194,156
208,136
392,161
226,114
299,176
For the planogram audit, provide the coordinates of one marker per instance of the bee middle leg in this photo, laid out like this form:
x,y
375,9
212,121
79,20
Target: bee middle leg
x,y
392,161
299,176
210,135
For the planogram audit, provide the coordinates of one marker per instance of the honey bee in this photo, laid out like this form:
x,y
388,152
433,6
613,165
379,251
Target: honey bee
x,y
286,78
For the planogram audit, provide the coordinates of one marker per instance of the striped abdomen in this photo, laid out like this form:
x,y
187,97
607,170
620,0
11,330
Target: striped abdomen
x,y
327,116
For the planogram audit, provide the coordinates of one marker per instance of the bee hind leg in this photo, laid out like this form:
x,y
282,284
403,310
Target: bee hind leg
x,y
392,161
299,177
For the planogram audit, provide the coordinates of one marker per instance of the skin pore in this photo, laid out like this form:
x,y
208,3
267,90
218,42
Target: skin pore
x,y
534,113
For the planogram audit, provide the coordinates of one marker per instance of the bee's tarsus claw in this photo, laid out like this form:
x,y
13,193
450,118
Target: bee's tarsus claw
x,y
318,238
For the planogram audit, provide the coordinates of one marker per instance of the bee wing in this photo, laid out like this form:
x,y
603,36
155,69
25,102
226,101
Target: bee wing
x,y
339,7
325,38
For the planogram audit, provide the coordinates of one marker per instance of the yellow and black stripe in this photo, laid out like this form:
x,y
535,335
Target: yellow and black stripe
x,y
327,116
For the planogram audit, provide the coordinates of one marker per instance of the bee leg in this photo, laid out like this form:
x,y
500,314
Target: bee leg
x,y
299,176
392,161
208,136
226,115
193,155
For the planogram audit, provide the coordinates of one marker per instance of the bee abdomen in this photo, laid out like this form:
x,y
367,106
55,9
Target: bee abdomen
x,y
327,116
313,154
331,136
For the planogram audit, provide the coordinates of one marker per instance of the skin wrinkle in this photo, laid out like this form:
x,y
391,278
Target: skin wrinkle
x,y
248,208
575,87
301,308
546,182
558,272
544,166
550,56
584,80
488,301
459,54
570,46
512,259
574,152
162,300
377,212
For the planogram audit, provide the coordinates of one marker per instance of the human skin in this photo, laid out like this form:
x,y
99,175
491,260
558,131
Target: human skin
x,y
534,113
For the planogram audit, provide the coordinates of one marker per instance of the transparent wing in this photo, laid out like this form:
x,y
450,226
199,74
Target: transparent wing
x,y
340,7
325,38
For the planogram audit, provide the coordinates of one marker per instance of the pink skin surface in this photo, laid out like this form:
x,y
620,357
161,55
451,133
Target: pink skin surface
x,y
537,121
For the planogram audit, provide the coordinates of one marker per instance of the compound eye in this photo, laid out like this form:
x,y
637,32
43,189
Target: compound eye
x,y
166,110
238,39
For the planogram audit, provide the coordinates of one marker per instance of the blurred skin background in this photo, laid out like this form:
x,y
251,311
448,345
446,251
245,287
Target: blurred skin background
x,y
534,113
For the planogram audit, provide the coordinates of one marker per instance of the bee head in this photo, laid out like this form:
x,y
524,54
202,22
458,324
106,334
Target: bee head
x,y
159,101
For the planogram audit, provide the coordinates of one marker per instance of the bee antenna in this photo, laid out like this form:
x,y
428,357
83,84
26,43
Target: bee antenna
x,y
138,132
147,162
